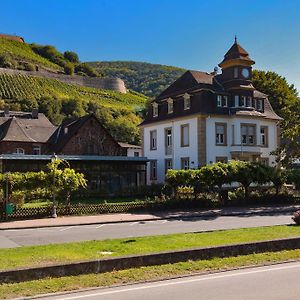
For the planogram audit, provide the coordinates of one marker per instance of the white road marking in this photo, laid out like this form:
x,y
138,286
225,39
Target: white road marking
x,y
134,223
66,228
209,277
100,225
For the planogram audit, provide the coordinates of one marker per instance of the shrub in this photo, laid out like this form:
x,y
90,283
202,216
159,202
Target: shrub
x,y
296,217
88,70
29,67
69,69
71,56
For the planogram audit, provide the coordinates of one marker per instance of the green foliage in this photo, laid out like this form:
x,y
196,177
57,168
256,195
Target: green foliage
x,y
286,103
84,68
63,180
69,69
49,52
71,56
148,79
23,52
119,112
211,177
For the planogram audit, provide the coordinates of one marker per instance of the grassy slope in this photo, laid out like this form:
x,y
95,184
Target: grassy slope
x,y
148,79
22,51
52,285
30,87
49,254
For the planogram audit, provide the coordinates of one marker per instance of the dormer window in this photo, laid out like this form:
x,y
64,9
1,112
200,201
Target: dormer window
x,y
242,102
222,101
186,101
249,101
236,100
259,104
155,110
170,106
254,103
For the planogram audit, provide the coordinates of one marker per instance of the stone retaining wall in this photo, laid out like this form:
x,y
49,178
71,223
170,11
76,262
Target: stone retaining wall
x,y
133,261
114,84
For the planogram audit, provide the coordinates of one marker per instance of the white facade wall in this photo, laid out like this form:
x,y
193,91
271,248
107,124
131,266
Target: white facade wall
x,y
213,151
131,151
178,152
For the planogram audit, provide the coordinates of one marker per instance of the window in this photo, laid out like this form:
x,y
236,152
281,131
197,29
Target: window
x,y
153,169
264,161
185,163
236,100
153,140
222,101
254,103
186,101
155,110
242,101
168,141
236,72
233,139
264,136
136,154
248,134
249,101
170,106
36,150
221,133
20,151
185,132
219,101
259,104
168,164
222,159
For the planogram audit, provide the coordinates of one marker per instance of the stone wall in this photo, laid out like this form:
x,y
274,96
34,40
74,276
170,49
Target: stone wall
x,y
114,84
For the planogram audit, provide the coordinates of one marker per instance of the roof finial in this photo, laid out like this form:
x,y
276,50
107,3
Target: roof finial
x,y
235,39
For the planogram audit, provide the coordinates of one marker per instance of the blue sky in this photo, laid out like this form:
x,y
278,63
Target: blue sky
x,y
193,34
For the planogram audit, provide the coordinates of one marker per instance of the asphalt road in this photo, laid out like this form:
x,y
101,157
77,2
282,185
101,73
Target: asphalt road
x,y
270,282
42,236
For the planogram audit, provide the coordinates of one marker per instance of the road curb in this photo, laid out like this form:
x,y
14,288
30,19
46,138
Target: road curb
x,y
90,289
196,215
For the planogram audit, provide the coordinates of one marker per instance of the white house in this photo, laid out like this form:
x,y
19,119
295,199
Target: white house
x,y
203,118
132,150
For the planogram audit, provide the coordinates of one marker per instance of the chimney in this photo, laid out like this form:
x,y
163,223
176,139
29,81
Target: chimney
x,y
6,111
35,113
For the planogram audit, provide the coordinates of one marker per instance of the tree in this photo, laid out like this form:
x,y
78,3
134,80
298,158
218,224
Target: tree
x,y
86,69
71,56
63,180
286,103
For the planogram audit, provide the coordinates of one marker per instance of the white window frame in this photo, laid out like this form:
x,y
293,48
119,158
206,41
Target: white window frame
x,y
185,139
221,138
259,104
242,101
236,100
219,100
153,170
168,164
153,139
185,163
248,137
249,101
170,106
186,101
37,147
20,151
154,110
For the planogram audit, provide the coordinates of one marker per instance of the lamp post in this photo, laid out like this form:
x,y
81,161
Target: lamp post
x,y
54,214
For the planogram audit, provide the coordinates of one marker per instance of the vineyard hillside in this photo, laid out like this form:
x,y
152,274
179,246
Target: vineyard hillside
x,y
20,87
120,113
24,52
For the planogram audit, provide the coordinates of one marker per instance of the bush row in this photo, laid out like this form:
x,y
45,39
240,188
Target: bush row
x,y
215,177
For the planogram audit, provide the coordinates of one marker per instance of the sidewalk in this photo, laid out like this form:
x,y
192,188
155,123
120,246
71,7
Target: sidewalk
x,y
128,217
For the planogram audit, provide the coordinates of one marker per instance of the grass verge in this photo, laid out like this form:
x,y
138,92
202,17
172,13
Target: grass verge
x,y
71,252
52,285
